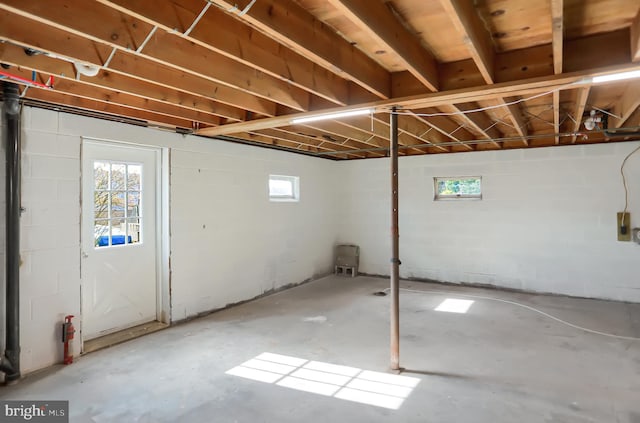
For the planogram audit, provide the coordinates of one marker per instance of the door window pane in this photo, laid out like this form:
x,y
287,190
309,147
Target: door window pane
x,y
101,204
133,230
134,176
117,203
101,175
133,204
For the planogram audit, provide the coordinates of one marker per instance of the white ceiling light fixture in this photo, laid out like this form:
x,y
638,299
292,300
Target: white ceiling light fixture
x,y
328,116
616,76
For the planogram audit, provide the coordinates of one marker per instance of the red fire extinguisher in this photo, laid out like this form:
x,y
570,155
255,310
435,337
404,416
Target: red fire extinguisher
x,y
67,336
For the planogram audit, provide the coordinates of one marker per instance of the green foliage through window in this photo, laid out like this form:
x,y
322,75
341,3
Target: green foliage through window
x,y
464,187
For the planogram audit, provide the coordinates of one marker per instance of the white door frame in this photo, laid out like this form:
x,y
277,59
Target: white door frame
x,y
163,300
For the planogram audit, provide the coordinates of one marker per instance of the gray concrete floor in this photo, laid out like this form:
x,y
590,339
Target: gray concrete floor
x,y
498,362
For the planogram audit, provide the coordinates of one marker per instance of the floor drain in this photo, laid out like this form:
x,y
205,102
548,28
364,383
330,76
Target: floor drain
x,y
380,293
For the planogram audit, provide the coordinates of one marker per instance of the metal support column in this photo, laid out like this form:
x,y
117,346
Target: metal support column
x,y
395,249
10,361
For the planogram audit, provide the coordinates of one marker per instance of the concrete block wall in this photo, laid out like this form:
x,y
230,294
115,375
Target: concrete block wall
x,y
546,223
50,236
221,221
229,242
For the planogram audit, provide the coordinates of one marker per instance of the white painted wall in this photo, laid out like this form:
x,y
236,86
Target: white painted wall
x,y
229,243
246,247
546,223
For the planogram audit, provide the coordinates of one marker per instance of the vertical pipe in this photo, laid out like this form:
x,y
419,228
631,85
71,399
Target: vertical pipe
x,y
10,363
395,249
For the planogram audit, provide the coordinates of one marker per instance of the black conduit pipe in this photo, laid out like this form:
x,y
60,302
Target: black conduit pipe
x,y
10,361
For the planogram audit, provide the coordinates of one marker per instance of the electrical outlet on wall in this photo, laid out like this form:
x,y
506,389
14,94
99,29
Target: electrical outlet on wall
x,y
636,235
623,223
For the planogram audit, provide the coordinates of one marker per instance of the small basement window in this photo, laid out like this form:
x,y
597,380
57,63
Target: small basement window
x,y
284,188
467,187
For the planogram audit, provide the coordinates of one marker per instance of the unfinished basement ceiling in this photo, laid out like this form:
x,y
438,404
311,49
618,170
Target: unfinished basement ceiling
x,y
464,75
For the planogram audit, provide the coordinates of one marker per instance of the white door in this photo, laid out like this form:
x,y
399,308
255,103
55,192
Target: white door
x,y
119,231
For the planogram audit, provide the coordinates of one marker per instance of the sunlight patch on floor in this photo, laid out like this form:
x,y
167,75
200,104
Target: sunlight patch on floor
x,y
342,382
453,305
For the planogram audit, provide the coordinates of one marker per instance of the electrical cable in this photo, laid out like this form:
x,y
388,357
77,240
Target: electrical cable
x,y
481,297
480,109
624,184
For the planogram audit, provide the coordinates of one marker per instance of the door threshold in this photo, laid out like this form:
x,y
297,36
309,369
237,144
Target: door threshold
x,y
122,336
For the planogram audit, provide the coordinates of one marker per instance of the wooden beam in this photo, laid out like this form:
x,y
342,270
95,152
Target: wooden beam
x,y
317,138
57,97
514,113
129,64
326,135
635,38
13,55
420,128
580,103
27,32
579,55
478,121
172,50
288,23
379,128
468,23
478,40
220,32
626,105
518,88
76,89
373,132
311,142
341,129
263,139
378,20
452,130
556,116
633,120
162,47
557,28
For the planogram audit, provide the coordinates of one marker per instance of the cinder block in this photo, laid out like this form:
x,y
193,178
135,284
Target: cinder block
x,y
68,146
40,119
54,167
38,142
69,190
38,189
34,238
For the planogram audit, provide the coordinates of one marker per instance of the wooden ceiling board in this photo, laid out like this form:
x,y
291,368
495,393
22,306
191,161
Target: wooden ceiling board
x,y
516,24
588,17
369,45
427,20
